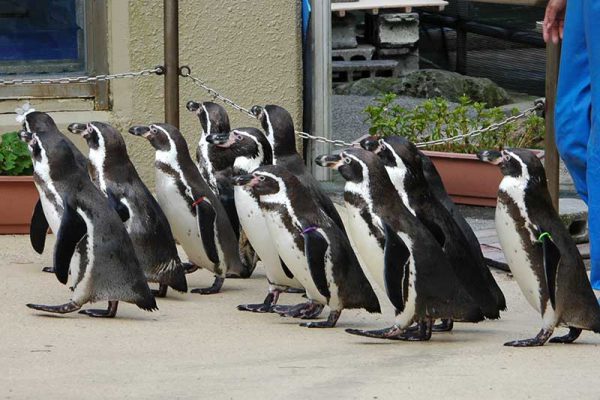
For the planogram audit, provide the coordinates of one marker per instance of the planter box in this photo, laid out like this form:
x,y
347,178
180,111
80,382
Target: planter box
x,y
467,180
18,196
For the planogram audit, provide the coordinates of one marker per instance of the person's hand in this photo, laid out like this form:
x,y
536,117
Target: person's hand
x,y
554,20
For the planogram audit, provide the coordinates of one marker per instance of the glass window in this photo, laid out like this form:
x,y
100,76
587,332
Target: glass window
x,y
42,36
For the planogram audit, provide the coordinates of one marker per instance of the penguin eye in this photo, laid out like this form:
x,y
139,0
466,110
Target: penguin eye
x,y
153,131
238,137
261,178
347,161
506,157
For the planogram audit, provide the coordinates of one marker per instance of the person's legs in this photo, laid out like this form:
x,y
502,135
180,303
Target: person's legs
x,y
591,14
573,102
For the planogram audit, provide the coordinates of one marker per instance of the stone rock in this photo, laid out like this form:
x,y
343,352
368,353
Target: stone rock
x,y
343,32
430,83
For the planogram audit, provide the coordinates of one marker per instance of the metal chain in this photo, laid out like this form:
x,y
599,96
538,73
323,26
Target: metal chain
x,y
539,105
159,70
186,72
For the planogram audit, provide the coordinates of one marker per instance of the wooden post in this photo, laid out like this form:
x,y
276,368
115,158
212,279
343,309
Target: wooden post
x,y
171,52
552,160
320,25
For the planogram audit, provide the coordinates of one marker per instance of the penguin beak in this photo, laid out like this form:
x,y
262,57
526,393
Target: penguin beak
x,y
370,143
220,139
490,156
244,180
192,106
332,161
140,130
25,136
257,111
77,129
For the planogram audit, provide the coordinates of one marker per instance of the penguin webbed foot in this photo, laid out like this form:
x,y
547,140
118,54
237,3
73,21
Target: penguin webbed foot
x,y
214,288
328,323
539,340
308,310
569,337
110,312
60,309
49,270
420,334
265,307
445,325
161,292
189,267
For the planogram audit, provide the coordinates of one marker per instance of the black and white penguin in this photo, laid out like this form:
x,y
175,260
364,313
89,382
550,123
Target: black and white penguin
x,y
109,269
404,165
402,256
252,150
540,252
216,165
48,210
113,172
197,217
314,248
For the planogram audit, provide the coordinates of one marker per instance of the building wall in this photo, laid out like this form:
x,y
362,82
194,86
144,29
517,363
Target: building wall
x,y
248,50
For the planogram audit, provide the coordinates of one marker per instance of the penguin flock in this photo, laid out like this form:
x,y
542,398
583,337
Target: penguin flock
x,y
248,197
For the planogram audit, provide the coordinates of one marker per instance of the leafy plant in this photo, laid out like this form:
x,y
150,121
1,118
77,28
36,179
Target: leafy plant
x,y
435,119
14,156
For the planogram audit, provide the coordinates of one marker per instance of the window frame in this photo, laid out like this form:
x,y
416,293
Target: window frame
x,y
96,62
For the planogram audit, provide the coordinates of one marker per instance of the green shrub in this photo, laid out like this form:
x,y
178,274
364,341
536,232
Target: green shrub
x,y
435,119
14,156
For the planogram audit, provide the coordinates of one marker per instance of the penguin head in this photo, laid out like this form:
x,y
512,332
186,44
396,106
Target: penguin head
x,y
248,143
213,117
516,163
39,122
55,154
352,164
33,145
160,136
266,181
399,153
278,124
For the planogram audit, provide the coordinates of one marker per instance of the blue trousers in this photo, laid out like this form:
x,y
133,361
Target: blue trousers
x,y
577,118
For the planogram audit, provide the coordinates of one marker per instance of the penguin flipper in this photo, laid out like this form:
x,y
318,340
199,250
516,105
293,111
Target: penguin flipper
x,y
551,255
315,248
285,269
71,231
38,229
206,216
118,206
435,230
396,256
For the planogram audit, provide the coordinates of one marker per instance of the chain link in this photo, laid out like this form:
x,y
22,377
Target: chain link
x,y
159,70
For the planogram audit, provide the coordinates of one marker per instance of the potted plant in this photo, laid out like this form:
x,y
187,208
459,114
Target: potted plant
x,y
18,194
466,179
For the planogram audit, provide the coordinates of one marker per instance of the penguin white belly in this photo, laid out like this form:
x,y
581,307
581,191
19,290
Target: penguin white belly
x,y
50,211
367,247
254,224
516,256
183,223
292,256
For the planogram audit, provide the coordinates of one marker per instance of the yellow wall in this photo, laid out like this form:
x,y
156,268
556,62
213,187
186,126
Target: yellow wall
x,y
249,50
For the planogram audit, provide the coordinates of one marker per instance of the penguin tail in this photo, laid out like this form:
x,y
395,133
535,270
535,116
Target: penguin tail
x,y
178,280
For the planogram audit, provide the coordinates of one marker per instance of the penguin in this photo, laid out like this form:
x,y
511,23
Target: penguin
x,y
252,150
539,250
404,165
310,243
48,209
197,217
113,172
216,168
109,268
278,125
403,257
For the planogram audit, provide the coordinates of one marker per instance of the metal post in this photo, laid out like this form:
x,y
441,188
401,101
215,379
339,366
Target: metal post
x,y
320,24
552,160
171,44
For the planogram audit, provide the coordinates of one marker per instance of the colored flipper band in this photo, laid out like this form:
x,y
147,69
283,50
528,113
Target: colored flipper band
x,y
544,235
200,200
310,229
